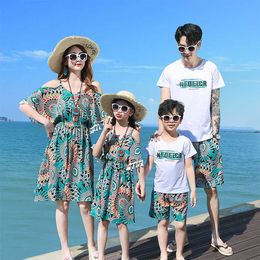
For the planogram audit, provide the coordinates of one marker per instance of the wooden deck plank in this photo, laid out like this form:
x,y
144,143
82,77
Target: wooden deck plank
x,y
241,231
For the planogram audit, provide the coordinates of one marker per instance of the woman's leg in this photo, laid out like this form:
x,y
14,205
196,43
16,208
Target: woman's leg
x,y
102,238
162,229
180,235
62,209
88,222
124,240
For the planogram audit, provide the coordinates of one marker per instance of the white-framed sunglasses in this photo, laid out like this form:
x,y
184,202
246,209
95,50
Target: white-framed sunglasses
x,y
190,48
74,56
123,108
167,118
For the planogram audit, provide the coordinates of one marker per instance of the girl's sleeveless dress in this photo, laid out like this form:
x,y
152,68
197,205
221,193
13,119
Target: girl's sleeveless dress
x,y
66,172
114,196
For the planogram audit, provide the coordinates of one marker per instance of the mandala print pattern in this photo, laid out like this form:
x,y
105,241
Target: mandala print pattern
x,y
208,164
114,196
66,172
162,203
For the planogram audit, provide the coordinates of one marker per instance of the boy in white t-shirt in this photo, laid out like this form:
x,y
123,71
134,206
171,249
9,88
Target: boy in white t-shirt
x,y
172,155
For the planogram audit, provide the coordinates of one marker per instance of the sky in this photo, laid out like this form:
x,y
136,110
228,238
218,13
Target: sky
x,y
136,39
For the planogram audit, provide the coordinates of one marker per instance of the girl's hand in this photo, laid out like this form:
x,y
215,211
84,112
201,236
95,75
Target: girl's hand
x,y
193,199
49,127
140,190
107,124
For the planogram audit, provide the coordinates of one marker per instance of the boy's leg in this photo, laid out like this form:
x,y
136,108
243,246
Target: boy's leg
x,y
160,209
162,229
180,207
102,238
180,236
124,240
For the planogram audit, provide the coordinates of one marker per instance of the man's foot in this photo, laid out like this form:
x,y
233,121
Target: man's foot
x,y
66,255
164,256
180,257
222,247
172,245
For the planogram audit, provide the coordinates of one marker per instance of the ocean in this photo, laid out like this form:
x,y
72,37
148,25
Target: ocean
x,y
28,228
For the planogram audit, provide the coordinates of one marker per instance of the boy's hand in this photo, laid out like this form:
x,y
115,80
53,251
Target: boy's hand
x,y
193,198
140,190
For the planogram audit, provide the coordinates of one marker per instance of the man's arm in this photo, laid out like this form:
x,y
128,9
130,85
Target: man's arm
x,y
215,112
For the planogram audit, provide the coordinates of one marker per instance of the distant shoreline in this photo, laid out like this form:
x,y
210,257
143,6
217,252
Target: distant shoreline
x,y
226,129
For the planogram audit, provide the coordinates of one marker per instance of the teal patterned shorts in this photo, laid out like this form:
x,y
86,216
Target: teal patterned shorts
x,y
208,164
162,203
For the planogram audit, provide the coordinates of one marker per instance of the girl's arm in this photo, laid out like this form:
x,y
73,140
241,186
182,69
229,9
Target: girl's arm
x,y
191,179
97,149
148,165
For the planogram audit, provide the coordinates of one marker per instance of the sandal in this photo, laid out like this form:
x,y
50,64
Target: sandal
x,y
223,249
171,247
93,255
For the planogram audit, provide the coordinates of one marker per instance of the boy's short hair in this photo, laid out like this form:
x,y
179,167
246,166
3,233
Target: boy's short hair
x,y
192,32
167,106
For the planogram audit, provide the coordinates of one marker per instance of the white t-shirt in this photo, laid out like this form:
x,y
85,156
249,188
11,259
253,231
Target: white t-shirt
x,y
169,158
193,87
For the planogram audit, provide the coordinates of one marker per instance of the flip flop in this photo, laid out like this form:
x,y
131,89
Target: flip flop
x,y
223,249
93,256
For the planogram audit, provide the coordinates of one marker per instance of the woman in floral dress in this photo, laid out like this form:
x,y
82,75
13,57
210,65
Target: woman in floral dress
x,y
69,109
118,147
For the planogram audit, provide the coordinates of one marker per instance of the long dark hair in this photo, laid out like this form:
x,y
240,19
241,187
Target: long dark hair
x,y
131,120
86,73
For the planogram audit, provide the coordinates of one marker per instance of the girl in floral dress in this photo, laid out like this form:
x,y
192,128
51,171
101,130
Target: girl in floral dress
x,y
69,109
118,147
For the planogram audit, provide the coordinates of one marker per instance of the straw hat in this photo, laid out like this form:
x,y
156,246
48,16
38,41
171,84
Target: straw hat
x,y
55,58
106,103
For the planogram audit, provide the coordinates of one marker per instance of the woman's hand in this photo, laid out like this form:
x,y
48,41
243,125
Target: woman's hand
x,y
49,127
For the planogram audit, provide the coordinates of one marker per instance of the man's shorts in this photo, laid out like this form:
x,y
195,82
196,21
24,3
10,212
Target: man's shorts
x,y
162,203
208,164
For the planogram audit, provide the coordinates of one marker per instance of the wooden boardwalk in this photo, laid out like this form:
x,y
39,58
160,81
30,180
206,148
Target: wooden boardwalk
x,y
241,231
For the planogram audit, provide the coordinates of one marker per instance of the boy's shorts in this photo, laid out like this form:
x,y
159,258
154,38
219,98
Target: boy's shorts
x,y
162,203
208,164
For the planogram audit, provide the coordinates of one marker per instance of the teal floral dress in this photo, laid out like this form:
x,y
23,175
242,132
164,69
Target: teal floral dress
x,y
114,196
66,171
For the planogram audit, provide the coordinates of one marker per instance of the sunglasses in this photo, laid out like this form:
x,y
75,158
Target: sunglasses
x,y
190,48
116,107
74,56
167,118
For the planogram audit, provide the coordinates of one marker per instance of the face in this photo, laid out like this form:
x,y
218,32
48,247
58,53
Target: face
x,y
76,59
121,110
190,52
171,121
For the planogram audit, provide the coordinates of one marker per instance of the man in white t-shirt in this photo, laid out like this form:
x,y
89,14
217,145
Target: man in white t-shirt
x,y
172,155
196,82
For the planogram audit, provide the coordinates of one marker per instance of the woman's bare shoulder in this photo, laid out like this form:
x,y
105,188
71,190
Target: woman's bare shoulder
x,y
97,85
51,84
136,135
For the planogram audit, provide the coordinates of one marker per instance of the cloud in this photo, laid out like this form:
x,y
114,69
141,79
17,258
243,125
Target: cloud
x,y
36,54
5,58
226,64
